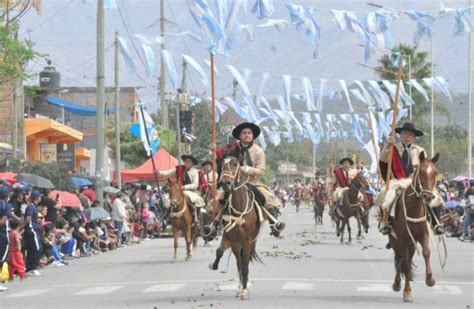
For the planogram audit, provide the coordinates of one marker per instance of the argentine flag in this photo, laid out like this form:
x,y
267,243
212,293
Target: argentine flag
x,y
138,130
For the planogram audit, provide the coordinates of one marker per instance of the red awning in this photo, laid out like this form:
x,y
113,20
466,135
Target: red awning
x,y
163,160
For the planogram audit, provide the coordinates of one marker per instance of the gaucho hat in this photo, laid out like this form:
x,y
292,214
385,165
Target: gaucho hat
x,y
346,160
408,126
244,125
189,157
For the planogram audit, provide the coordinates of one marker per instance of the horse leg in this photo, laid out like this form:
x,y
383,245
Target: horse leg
x,y
407,269
398,264
238,257
246,253
175,238
219,253
359,227
429,280
189,240
338,228
341,231
349,230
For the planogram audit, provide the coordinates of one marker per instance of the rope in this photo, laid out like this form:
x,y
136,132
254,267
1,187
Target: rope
x,y
406,223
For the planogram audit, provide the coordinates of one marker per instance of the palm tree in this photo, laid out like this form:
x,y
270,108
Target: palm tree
x,y
420,68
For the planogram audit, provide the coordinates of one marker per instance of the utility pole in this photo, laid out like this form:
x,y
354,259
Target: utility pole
x,y
184,81
163,103
118,168
234,89
432,102
410,87
469,81
100,99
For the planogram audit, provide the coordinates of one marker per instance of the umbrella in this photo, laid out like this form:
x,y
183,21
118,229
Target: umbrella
x,y
81,182
8,176
96,213
111,190
90,193
67,198
460,178
35,180
452,204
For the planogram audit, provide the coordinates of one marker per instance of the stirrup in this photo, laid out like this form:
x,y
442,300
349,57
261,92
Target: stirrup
x,y
386,230
439,230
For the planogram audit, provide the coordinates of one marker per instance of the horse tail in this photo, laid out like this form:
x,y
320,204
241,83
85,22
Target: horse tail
x,y
408,270
254,257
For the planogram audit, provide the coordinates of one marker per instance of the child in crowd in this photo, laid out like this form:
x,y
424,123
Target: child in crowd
x,y
145,216
15,263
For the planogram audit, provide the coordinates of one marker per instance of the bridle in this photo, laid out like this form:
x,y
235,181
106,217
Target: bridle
x,y
175,202
233,176
423,193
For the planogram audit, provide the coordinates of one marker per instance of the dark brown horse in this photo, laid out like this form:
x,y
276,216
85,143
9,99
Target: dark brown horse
x,y
349,206
181,218
241,222
319,199
411,227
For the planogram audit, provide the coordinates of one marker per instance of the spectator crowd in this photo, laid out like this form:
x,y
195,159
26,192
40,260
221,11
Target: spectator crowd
x,y
37,231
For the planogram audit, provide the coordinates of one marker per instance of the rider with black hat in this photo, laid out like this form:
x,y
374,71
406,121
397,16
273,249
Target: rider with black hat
x,y
188,176
409,154
252,161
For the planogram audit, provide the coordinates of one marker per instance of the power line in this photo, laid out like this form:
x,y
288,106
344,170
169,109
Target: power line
x,y
48,19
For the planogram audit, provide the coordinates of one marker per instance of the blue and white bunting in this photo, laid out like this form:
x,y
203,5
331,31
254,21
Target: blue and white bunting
x,y
205,20
240,79
263,9
123,48
170,68
424,23
199,69
308,92
149,60
322,89
419,88
287,87
303,17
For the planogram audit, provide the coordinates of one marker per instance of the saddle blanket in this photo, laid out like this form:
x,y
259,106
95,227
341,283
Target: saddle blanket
x,y
340,192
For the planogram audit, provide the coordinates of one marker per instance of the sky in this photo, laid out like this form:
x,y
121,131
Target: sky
x,y
66,31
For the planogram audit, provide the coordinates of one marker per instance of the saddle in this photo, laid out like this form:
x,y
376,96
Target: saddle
x,y
259,198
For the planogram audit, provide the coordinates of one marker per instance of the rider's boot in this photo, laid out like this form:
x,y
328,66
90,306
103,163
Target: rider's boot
x,y
211,230
275,226
438,228
362,211
384,225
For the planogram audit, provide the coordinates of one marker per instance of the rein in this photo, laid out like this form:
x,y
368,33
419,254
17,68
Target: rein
x,y
180,213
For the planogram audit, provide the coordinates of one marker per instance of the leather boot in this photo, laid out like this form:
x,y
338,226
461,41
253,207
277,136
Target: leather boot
x,y
277,226
438,228
384,226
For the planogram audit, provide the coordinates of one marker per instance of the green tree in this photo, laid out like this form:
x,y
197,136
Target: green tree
x,y
451,143
420,68
131,147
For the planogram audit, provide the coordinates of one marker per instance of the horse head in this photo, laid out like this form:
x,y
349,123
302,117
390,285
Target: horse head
x,y
176,193
424,180
230,174
360,182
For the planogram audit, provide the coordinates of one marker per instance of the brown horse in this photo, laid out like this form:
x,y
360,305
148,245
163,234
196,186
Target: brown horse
x,y
241,222
319,199
181,218
411,227
349,206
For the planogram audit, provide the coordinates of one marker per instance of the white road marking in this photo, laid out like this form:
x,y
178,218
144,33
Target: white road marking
x,y
315,280
298,286
164,288
447,289
99,290
27,293
374,288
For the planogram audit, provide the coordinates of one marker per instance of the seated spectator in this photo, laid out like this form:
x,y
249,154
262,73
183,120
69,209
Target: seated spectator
x,y
65,239
50,248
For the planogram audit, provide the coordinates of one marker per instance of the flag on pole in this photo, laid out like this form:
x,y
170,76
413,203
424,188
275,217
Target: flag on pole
x,y
146,124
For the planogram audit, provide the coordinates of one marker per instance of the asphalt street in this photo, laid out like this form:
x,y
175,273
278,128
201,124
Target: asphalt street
x,y
306,268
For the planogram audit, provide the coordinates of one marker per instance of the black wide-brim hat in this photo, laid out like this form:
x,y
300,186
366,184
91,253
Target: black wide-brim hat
x,y
408,126
244,125
206,163
346,159
189,157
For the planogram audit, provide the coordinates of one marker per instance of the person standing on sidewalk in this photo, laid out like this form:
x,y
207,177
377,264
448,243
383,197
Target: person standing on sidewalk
x,y
32,235
3,230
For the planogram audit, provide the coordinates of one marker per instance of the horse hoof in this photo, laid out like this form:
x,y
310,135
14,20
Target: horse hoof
x,y
239,293
174,260
407,297
430,281
396,286
211,266
245,295
188,258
